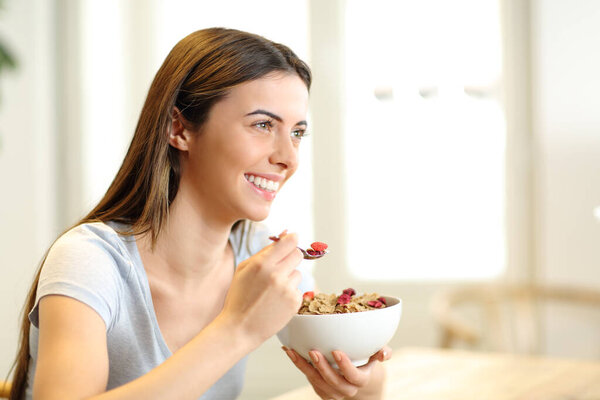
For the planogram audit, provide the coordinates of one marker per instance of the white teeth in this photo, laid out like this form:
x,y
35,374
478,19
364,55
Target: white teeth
x,y
263,183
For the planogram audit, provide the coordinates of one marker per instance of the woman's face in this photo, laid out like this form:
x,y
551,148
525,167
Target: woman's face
x,y
247,148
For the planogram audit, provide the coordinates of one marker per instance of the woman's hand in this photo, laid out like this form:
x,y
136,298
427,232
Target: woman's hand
x,y
264,294
365,382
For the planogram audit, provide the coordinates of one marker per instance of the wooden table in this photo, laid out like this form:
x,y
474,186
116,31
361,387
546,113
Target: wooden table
x,y
434,374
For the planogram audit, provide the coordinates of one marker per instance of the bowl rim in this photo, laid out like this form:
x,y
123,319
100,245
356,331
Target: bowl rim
x,y
399,303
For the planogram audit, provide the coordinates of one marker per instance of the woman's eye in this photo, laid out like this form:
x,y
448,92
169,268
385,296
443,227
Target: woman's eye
x,y
264,125
299,133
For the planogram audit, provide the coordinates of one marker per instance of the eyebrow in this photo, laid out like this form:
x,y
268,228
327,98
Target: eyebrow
x,y
274,116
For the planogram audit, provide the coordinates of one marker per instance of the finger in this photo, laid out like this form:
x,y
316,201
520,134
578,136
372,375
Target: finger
x,y
386,353
314,377
295,277
311,373
357,377
291,261
276,238
332,377
276,251
323,395
382,355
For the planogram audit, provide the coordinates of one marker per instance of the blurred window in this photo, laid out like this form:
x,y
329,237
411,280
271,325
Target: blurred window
x,y
424,139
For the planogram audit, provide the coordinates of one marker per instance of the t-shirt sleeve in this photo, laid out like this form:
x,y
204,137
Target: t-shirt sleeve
x,y
259,238
83,266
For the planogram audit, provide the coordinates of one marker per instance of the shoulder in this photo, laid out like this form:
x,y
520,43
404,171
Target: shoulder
x,y
89,263
94,235
89,243
91,249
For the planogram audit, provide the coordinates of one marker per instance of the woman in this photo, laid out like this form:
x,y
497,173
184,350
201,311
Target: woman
x,y
160,292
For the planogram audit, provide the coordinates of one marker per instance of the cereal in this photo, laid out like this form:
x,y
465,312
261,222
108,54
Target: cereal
x,y
347,302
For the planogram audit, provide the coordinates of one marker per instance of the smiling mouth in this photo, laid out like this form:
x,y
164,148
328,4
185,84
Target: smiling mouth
x,y
262,183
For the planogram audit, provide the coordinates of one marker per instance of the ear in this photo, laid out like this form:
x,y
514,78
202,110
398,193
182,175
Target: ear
x,y
179,136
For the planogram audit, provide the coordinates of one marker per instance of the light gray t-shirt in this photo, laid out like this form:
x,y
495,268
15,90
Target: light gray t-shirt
x,y
95,265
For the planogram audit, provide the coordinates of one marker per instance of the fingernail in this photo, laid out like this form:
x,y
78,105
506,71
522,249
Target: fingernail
x,y
314,357
291,355
337,356
283,233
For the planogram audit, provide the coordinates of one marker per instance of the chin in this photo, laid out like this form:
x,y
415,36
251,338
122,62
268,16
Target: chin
x,y
258,214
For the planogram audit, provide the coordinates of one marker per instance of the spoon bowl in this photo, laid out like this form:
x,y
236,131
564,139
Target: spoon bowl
x,y
308,256
305,253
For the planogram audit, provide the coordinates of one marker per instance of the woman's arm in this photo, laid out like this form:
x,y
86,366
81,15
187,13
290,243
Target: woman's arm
x,y
72,348
73,358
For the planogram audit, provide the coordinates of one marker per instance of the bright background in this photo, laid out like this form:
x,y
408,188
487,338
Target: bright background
x,y
450,142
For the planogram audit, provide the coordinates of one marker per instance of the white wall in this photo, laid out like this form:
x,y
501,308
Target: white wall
x,y
566,123
27,164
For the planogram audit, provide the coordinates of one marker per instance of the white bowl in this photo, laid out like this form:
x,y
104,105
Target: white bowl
x,y
359,334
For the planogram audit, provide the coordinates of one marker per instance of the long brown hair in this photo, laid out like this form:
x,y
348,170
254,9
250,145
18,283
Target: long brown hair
x,y
199,70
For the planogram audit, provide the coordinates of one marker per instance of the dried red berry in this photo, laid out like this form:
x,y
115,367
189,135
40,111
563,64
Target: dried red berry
x,y
383,300
308,296
349,291
318,246
311,252
375,303
344,299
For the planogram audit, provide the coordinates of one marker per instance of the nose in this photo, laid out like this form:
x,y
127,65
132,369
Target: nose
x,y
285,153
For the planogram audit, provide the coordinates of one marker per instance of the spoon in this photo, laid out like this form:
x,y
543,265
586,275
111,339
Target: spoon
x,y
305,253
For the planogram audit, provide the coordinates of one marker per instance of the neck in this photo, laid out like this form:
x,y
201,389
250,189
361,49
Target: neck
x,y
191,245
